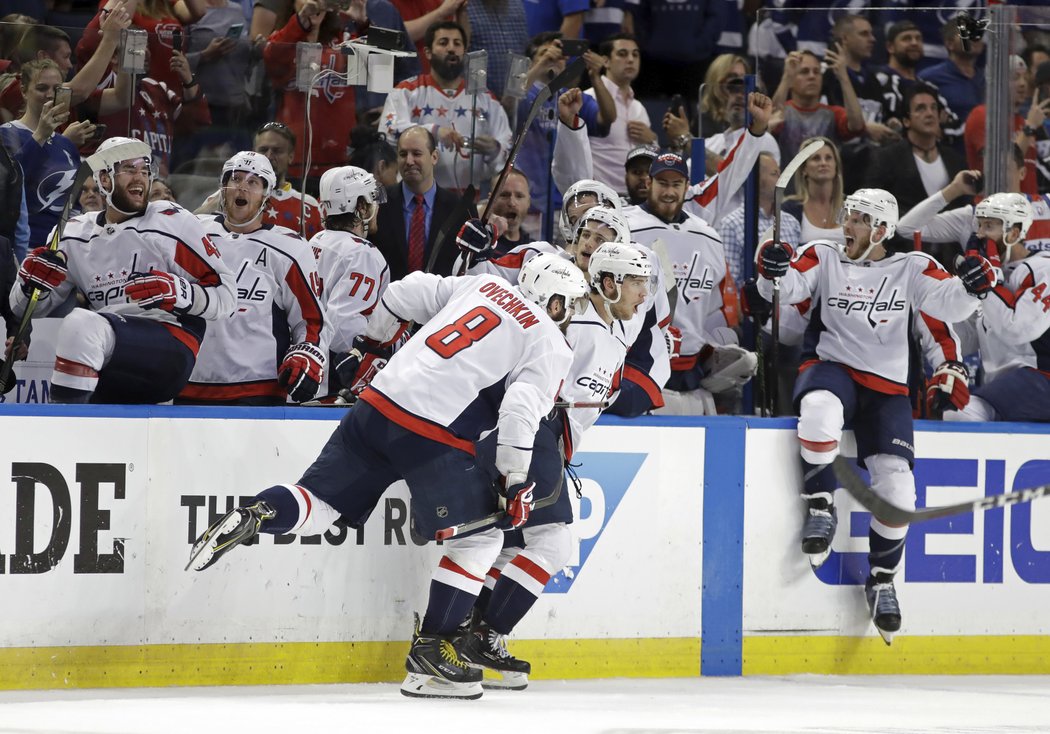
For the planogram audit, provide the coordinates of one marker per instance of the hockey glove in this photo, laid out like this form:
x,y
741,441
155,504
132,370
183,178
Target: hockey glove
x,y
977,275
753,303
517,493
42,269
301,371
673,337
157,289
363,352
478,239
948,388
774,259
985,248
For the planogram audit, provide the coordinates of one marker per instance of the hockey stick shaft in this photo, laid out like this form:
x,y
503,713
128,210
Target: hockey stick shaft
x,y
894,515
495,517
27,316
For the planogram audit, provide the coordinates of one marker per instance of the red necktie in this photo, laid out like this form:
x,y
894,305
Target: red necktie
x,y
416,236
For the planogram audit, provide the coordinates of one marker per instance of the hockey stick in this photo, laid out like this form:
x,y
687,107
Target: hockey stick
x,y
778,200
889,513
7,376
495,517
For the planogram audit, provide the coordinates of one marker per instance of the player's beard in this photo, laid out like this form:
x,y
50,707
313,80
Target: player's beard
x,y
122,203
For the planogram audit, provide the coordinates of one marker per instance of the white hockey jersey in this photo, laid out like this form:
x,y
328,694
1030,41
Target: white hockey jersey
x,y
167,238
354,276
698,261
485,357
862,311
956,225
1013,320
420,101
598,354
277,306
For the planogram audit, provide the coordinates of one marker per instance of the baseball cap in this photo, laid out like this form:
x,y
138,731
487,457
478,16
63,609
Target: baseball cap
x,y
898,28
642,151
669,162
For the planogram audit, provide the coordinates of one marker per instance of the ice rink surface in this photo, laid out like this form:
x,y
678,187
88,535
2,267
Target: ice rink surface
x,y
789,705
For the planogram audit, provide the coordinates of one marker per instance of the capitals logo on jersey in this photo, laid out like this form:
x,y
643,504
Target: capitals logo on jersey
x,y
108,287
694,279
869,301
601,382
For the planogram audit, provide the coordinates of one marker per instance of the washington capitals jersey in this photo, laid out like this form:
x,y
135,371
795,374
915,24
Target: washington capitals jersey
x,y
420,101
285,208
1013,320
598,354
100,256
957,225
276,277
698,261
484,357
354,276
862,310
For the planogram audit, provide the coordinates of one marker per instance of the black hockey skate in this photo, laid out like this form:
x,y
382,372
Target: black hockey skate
x,y
486,649
818,530
883,605
236,527
436,669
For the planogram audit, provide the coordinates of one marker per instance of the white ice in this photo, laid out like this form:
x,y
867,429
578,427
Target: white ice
x,y
788,705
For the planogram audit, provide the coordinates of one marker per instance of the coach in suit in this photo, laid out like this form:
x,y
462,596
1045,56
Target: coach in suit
x,y
415,209
918,165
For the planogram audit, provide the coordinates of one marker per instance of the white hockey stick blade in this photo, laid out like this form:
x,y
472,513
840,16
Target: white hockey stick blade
x,y
796,163
893,515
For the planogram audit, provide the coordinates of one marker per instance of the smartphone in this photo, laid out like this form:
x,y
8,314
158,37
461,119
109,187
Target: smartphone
x,y
976,181
100,132
176,39
575,46
336,5
234,31
678,106
63,95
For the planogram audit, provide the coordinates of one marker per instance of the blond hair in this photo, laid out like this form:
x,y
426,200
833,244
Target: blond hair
x,y
714,99
801,181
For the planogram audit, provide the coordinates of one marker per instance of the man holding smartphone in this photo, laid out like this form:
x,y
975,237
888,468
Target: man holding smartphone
x,y
219,55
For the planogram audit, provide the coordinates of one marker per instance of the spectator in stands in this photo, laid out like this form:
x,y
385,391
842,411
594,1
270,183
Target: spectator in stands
x,y
163,21
818,195
1040,132
48,160
333,106
91,198
1033,55
13,27
371,152
160,191
419,15
733,227
219,52
677,40
919,165
804,116
11,206
268,16
564,17
537,152
415,210
512,203
609,17
636,178
472,131
499,27
958,79
631,126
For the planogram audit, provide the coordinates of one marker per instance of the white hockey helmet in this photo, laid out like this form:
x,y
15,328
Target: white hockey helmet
x,y
109,154
618,260
607,216
342,189
881,208
255,164
547,275
1010,209
586,187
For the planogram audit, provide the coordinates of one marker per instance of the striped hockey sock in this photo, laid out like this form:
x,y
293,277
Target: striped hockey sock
x,y
518,588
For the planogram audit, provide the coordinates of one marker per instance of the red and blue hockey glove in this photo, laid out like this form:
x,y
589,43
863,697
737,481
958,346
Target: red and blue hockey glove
x,y
517,493
948,389
773,259
42,269
301,371
673,339
157,289
363,357
977,275
477,238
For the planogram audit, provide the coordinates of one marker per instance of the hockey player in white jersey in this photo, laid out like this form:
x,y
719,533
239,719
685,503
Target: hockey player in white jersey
x,y
857,370
270,349
620,277
1013,323
354,274
488,356
702,315
151,278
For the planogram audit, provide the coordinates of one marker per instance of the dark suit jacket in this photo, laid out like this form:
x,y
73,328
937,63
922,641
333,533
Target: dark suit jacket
x,y
392,237
893,168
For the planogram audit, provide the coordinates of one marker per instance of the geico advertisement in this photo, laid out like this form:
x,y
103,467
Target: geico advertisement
x,y
966,574
95,540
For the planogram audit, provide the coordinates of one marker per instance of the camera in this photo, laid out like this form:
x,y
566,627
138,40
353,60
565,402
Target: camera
x,y
970,28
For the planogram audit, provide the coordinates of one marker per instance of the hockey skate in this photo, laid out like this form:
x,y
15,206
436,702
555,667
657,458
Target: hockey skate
x,y
486,649
817,531
883,605
236,527
437,670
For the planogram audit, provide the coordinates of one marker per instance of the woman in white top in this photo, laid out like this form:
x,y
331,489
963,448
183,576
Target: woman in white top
x,y
818,196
